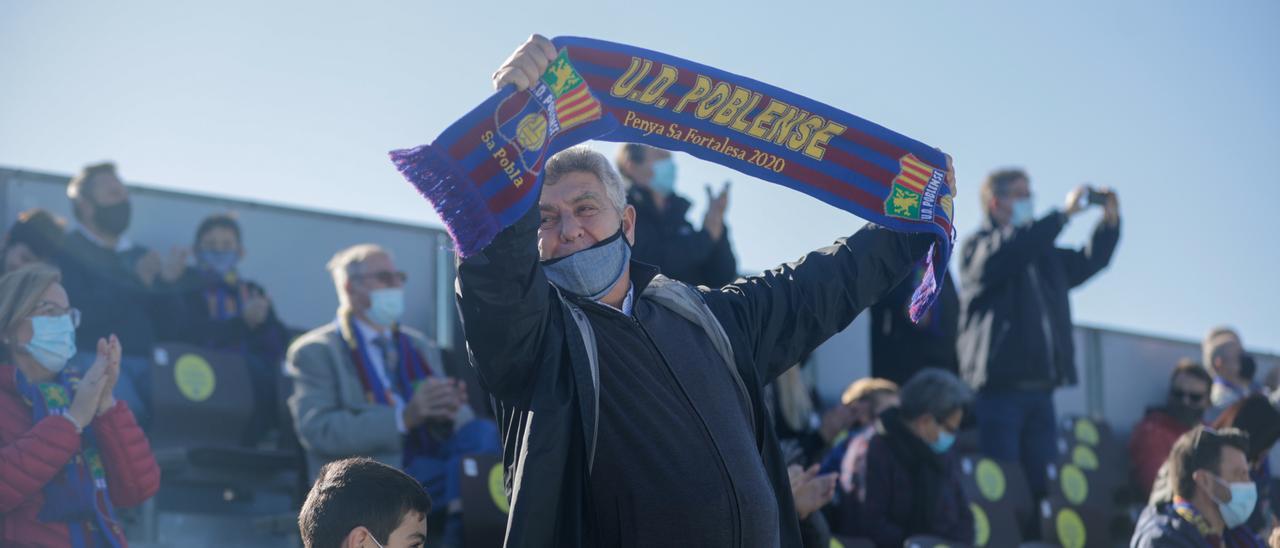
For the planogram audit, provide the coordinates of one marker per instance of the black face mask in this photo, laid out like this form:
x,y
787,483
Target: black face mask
x,y
113,219
1184,413
1248,367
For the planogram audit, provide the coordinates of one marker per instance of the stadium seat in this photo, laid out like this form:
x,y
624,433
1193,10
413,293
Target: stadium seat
x,y
201,403
992,500
484,501
1072,526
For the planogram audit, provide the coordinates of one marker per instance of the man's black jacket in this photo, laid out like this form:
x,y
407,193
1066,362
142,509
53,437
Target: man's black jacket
x,y
531,357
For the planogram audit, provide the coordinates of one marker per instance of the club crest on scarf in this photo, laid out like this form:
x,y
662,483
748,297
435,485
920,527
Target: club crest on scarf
x,y
558,101
915,191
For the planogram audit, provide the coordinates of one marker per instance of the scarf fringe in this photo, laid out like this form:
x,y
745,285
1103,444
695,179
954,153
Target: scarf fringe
x,y
464,211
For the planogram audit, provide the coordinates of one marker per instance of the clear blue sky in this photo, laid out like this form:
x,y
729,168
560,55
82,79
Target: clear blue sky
x,y
1174,103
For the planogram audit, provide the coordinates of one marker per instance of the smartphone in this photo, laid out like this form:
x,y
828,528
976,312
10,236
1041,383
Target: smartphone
x,y
1095,197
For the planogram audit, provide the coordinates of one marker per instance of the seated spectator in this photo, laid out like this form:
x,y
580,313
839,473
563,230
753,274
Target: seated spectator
x,y
35,237
1212,495
1223,353
868,397
663,238
69,452
1153,437
227,312
906,480
120,287
362,503
365,385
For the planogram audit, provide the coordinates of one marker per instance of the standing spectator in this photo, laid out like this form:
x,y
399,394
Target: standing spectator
x,y
359,499
1213,495
901,347
69,452
121,287
1015,342
907,479
224,311
35,237
1223,353
1153,437
663,237
365,385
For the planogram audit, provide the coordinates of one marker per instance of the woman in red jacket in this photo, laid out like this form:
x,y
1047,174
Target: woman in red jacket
x,y
69,453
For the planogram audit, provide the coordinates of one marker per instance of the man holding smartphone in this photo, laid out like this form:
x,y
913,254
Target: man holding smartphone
x,y
1015,343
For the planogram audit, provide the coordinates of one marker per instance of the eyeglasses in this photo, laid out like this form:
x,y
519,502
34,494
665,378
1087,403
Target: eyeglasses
x,y
386,277
46,308
1189,397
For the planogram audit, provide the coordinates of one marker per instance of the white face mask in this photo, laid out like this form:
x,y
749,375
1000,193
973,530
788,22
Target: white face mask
x,y
1244,496
1022,212
386,305
53,341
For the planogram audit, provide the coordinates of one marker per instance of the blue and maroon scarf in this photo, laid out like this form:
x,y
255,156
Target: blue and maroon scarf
x,y
412,370
222,294
485,171
77,496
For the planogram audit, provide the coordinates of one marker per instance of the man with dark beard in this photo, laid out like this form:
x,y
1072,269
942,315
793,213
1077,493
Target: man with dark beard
x,y
120,287
1154,436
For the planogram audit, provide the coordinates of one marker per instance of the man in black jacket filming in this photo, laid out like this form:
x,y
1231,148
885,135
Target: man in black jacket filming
x,y
1015,342
631,404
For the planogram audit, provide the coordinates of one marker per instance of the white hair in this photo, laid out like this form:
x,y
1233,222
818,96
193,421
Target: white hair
x,y
348,263
581,159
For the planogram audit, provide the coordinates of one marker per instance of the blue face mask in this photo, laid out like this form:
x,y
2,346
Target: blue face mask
x,y
53,341
945,440
221,262
1023,212
592,272
1244,496
386,305
664,176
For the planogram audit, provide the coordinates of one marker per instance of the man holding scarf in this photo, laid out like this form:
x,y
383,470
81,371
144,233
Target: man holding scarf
x,y
365,385
631,404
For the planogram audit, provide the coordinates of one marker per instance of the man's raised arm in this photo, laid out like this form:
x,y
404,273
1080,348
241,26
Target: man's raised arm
x,y
788,311
503,296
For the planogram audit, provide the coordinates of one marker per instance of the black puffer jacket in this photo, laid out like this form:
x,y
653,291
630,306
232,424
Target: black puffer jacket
x,y
1014,284
529,354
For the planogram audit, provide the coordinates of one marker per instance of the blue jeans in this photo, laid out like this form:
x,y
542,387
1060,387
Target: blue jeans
x,y
438,473
1019,426
134,385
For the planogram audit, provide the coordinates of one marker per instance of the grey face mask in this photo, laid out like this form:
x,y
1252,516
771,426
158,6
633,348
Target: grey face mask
x,y
592,272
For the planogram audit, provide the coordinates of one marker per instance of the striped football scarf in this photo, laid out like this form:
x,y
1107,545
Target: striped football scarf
x,y
484,172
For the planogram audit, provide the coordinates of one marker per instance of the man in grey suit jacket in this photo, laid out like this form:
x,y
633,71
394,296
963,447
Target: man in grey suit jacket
x,y
366,386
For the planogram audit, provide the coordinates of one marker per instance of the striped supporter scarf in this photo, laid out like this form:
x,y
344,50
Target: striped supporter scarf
x,y
412,371
78,495
484,172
